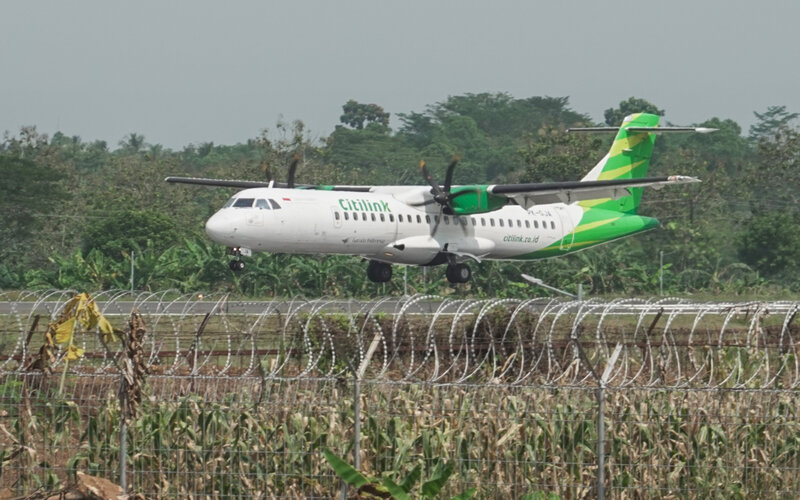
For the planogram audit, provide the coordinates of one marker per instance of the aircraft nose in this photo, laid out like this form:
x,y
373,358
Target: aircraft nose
x,y
220,229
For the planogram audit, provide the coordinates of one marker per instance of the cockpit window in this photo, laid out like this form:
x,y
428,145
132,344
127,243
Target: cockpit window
x,y
274,204
229,202
244,203
262,203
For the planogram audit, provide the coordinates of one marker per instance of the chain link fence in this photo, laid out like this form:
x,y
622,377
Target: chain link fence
x,y
621,399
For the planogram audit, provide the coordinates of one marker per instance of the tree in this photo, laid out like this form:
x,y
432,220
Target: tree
x,y
771,244
28,193
556,155
132,143
632,105
356,115
125,230
770,122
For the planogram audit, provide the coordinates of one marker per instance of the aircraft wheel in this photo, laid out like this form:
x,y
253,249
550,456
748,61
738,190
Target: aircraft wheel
x,y
458,273
379,272
236,265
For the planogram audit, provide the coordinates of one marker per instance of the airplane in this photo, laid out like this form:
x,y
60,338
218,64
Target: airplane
x,y
448,224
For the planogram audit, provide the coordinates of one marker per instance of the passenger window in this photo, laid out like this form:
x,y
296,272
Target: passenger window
x,y
336,215
363,216
346,216
536,224
391,217
274,204
447,220
474,222
262,204
491,222
428,219
510,223
244,203
552,224
399,217
483,221
463,221
373,217
519,223
500,221
527,224
419,219
383,218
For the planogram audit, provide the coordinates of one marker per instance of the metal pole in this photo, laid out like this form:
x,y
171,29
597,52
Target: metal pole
x,y
357,424
580,292
661,273
601,442
123,454
133,267
405,281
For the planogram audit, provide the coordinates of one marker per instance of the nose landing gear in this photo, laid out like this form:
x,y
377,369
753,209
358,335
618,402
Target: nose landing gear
x,y
236,264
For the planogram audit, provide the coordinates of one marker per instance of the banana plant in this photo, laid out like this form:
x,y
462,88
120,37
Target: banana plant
x,y
385,487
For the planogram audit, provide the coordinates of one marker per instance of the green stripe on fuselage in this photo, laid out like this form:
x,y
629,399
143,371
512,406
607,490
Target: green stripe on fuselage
x,y
597,226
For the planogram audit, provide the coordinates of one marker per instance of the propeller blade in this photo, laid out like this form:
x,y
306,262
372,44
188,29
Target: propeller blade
x,y
292,170
448,179
267,172
438,194
438,219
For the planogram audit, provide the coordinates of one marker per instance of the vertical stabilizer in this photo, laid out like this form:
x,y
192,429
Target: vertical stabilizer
x,y
628,158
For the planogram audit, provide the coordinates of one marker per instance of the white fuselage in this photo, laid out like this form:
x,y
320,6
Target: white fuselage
x,y
383,225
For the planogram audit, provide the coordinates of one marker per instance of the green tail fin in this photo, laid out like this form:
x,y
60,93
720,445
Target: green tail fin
x,y
628,158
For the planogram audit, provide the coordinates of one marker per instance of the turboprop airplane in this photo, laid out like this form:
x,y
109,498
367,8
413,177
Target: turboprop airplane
x,y
446,224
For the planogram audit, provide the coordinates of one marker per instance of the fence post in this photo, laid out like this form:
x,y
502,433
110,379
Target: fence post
x,y
123,444
601,441
357,424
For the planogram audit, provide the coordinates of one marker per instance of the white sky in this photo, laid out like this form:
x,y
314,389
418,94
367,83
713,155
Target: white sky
x,y
184,72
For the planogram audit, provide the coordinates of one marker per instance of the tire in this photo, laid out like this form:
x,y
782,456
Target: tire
x,y
458,273
379,272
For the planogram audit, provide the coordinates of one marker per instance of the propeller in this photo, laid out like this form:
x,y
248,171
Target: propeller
x,y
441,195
292,170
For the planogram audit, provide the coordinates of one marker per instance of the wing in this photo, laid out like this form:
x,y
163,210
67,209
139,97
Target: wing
x,y
529,195
256,184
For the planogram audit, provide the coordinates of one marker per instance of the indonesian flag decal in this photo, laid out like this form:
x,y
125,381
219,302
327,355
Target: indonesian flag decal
x,y
286,199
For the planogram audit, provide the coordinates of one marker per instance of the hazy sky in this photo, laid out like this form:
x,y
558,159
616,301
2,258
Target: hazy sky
x,y
184,72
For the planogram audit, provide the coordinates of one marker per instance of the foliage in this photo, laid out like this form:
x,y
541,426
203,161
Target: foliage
x,y
771,121
614,116
771,244
386,487
74,210
356,115
124,230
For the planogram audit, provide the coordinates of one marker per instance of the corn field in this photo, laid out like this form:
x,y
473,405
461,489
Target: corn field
x,y
636,398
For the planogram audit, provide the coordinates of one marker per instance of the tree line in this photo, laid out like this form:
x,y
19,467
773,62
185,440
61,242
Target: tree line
x,y
75,213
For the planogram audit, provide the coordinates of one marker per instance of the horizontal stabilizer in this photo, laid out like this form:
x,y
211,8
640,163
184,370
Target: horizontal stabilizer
x,y
655,130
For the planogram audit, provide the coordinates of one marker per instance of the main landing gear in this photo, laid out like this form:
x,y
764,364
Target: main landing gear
x,y
458,273
379,272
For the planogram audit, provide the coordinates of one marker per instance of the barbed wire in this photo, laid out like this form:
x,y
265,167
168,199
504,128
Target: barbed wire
x,y
634,342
